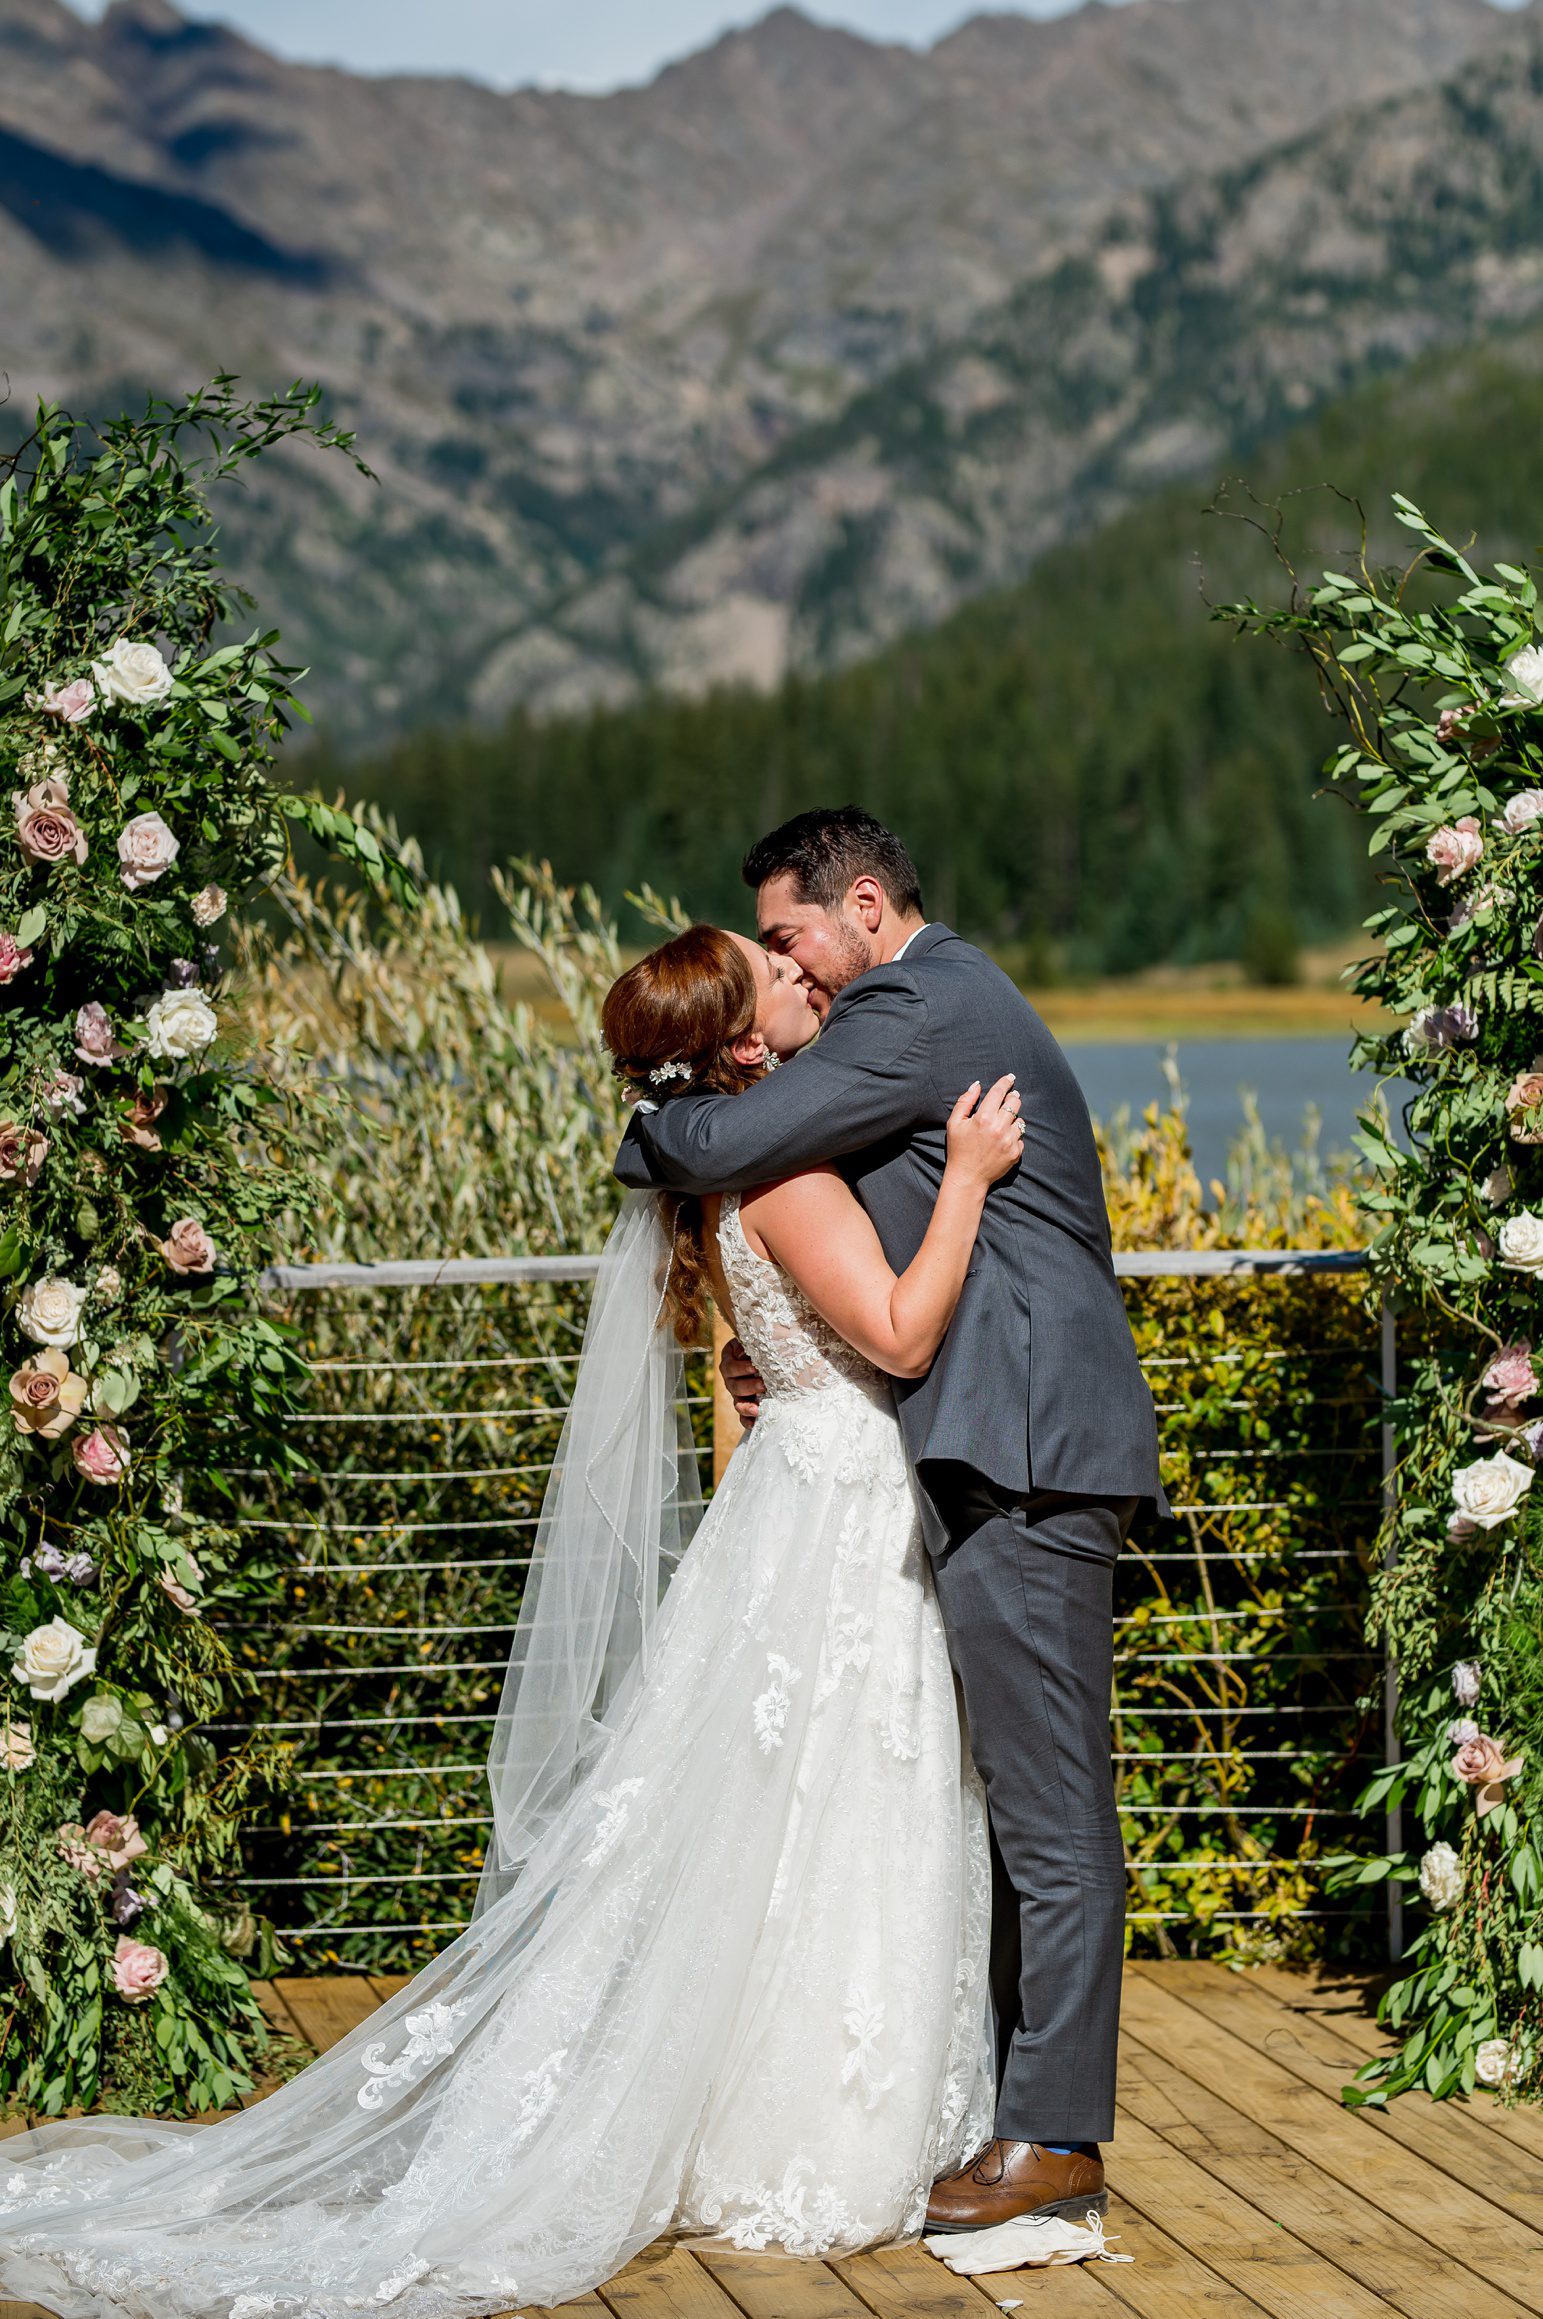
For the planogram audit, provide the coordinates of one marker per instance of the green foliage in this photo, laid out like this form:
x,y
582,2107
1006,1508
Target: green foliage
x,y
1436,679
1088,771
145,1163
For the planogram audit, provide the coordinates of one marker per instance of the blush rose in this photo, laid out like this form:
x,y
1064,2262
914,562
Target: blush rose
x,y
138,1970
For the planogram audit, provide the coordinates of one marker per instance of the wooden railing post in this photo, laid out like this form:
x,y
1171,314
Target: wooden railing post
x,y
727,1430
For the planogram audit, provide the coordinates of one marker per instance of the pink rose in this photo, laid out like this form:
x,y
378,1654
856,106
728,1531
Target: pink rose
x,y
22,1153
117,1838
74,1848
1455,850
45,826
102,1455
139,1126
180,1595
72,703
94,1040
62,1095
1449,725
46,1395
146,850
1525,1094
12,958
187,1247
138,1970
1483,1764
1511,1375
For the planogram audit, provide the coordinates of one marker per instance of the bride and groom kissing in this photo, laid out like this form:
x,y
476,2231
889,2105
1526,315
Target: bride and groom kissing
x,y
802,1921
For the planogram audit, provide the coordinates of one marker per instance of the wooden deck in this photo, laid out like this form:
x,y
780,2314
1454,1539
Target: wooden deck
x,y
1238,2182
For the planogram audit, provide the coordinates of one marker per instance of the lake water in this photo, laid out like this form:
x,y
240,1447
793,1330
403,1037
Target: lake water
x,y
1286,1075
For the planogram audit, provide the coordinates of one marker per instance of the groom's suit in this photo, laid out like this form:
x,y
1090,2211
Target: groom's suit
x,y
1032,1438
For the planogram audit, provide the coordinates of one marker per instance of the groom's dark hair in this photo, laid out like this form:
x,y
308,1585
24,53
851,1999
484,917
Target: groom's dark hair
x,y
824,851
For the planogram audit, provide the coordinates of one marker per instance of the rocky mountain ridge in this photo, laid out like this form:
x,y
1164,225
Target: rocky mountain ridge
x,y
803,342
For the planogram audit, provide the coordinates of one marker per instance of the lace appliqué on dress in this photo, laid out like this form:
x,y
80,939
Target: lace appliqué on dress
x,y
769,1714
429,2039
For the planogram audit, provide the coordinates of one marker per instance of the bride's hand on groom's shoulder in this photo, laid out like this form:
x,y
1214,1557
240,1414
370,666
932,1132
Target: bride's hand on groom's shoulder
x,y
742,1381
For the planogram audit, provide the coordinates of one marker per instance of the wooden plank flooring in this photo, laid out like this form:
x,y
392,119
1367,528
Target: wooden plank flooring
x,y
1238,2181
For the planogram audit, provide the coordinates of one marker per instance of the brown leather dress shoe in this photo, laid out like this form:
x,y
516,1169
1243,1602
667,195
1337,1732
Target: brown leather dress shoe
x,y
1011,2179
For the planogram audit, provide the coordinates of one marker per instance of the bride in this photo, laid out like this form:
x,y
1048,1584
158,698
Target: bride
x,y
727,1969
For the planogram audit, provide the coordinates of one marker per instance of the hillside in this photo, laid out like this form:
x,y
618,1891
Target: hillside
x,y
758,366
1095,773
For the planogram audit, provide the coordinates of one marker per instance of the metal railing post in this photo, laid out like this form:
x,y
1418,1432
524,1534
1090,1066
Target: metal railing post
x,y
1394,1829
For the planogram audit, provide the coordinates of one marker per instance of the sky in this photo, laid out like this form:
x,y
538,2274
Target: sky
x,y
580,44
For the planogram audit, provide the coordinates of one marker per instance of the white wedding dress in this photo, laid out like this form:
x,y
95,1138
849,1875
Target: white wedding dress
x,y
738,1988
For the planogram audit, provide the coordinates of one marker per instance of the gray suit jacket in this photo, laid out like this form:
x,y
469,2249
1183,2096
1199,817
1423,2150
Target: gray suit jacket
x,y
1037,1385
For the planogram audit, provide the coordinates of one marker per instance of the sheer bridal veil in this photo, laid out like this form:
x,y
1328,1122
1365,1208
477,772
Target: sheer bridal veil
x,y
619,1512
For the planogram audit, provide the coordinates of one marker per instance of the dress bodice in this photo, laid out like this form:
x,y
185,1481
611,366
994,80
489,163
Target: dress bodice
x,y
795,1349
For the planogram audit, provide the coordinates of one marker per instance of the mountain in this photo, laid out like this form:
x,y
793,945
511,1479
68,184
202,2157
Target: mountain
x,y
755,367
1096,774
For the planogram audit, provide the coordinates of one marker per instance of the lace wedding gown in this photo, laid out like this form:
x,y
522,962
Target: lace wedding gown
x,y
738,1989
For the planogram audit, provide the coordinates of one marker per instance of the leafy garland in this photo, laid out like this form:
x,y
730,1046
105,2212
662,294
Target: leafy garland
x,y
1438,676
143,1164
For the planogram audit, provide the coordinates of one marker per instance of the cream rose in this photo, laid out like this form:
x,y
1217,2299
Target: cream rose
x,y
187,1247
1467,1682
1521,1242
54,1658
46,1396
134,675
17,1751
209,906
1523,810
108,1285
7,1912
180,1023
1492,2062
49,1311
1441,1878
146,850
1524,671
1489,1491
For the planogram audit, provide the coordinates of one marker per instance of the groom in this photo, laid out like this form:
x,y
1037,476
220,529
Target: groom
x,y
1032,1438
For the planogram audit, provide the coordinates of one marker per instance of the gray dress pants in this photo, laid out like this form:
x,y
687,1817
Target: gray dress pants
x,y
1026,1589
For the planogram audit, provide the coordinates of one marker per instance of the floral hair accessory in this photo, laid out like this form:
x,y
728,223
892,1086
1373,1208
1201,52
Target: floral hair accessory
x,y
667,1071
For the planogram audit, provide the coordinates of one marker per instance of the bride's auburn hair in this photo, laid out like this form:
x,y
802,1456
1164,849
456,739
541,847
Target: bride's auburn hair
x,y
669,1023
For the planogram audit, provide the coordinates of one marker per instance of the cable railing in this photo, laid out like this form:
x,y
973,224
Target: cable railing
x,y
1246,1712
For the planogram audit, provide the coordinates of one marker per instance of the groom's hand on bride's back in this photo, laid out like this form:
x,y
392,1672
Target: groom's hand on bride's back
x,y
742,1381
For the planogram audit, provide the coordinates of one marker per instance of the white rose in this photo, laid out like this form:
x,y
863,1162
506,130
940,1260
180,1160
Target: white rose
x,y
158,1735
1441,1877
1521,1242
209,905
1492,2061
182,1023
7,1912
146,849
1489,1491
134,674
50,1312
1525,671
1467,1682
54,1658
1523,810
108,1286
